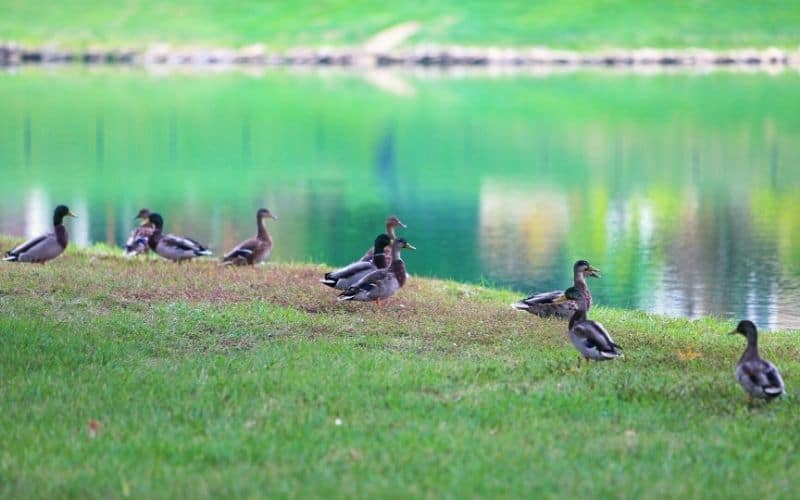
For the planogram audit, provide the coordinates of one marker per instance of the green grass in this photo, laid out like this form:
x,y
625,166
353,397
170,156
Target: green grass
x,y
209,382
581,24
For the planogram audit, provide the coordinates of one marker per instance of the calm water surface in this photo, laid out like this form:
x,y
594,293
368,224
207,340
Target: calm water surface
x,y
683,189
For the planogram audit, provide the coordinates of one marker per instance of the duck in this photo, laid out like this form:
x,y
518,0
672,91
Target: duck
x,y
137,240
253,250
589,337
383,283
344,278
392,222
47,246
758,377
547,304
171,247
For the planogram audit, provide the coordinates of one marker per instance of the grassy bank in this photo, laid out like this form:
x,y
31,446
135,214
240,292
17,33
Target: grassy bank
x,y
208,381
577,24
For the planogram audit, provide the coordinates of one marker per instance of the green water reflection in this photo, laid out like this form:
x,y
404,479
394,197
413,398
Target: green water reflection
x,y
681,188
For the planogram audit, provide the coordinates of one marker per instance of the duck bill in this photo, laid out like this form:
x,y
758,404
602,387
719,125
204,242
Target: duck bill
x,y
734,332
70,214
145,221
593,272
409,246
401,224
273,217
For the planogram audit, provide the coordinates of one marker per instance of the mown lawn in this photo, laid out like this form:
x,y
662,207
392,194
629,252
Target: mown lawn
x,y
577,24
209,381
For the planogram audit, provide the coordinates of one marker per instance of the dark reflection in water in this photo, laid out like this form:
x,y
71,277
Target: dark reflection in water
x,y
682,189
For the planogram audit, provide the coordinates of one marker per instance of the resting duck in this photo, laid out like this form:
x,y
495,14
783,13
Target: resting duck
x,y
253,250
759,378
137,241
547,304
171,247
589,337
47,246
391,223
347,276
383,283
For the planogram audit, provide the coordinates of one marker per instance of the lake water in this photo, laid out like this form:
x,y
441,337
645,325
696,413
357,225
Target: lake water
x,y
683,189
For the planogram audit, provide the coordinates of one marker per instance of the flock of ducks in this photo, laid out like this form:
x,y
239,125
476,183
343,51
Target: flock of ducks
x,y
381,272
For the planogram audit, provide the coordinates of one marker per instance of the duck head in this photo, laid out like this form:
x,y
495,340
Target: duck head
x,y
143,214
393,221
583,266
264,213
59,213
403,244
746,328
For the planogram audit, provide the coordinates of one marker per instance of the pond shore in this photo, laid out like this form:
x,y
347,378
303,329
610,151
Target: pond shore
x,y
158,380
12,54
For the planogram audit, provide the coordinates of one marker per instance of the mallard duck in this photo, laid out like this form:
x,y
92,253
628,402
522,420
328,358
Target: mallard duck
x,y
253,250
171,247
759,378
137,241
343,278
547,305
383,283
392,222
589,337
47,246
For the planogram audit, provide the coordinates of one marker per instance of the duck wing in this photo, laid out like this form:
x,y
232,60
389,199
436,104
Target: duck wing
x,y
39,249
543,298
594,335
179,248
375,285
27,245
243,250
183,243
343,278
545,305
764,375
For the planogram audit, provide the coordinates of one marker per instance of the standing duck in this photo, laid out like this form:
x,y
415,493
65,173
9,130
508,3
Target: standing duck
x,y
589,337
47,246
392,222
343,278
383,283
137,241
253,250
171,247
758,377
548,304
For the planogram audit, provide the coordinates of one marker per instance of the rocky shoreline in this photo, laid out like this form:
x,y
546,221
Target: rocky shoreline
x,y
12,54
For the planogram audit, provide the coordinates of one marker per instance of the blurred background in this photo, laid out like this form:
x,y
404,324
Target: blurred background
x,y
679,183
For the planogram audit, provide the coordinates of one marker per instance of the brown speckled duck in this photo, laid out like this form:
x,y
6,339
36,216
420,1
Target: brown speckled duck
x,y
758,377
47,246
137,240
253,250
549,304
383,283
171,247
392,222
